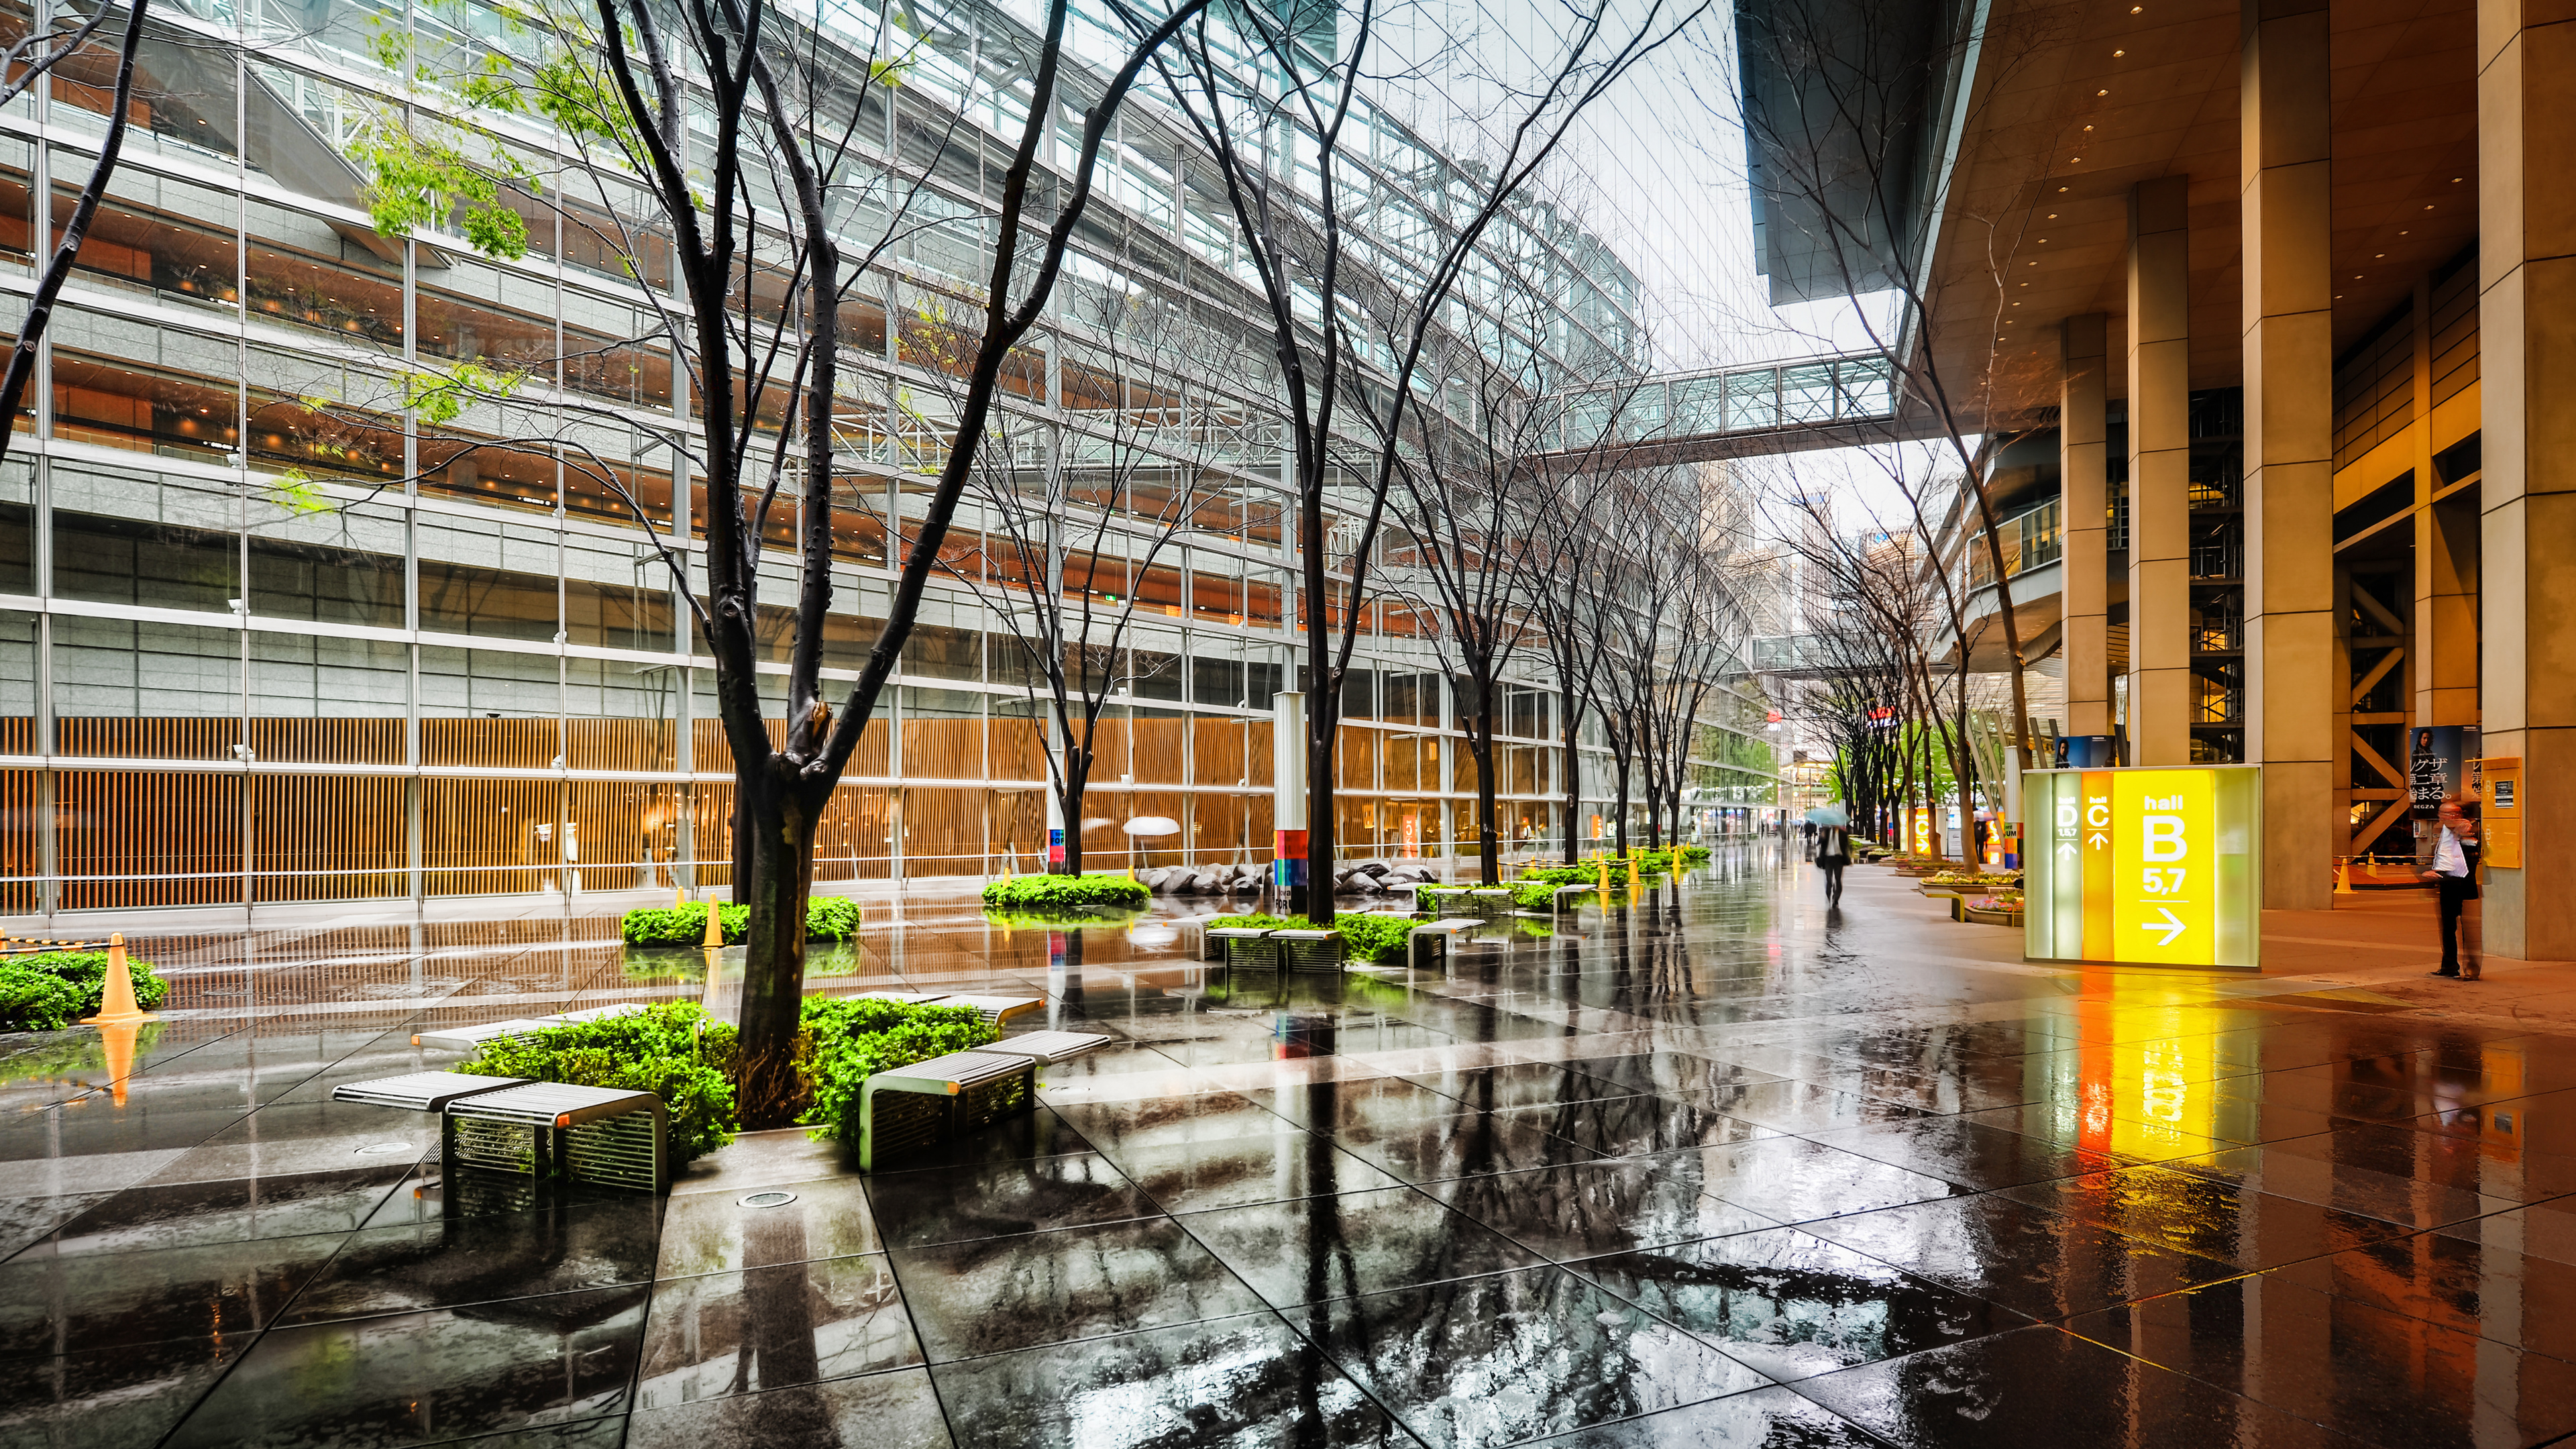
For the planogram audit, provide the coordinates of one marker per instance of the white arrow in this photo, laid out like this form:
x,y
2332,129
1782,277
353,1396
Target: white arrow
x,y
2066,848
2097,840
2170,925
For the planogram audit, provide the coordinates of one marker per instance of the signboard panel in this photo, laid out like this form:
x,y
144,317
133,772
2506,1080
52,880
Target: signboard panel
x,y
2500,786
2146,866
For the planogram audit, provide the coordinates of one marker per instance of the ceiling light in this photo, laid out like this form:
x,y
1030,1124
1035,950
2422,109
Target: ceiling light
x,y
2052,216
2379,256
2115,55
2101,93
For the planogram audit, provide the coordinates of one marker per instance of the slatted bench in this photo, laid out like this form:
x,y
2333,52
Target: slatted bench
x,y
467,1038
995,1009
905,1109
601,1135
420,1091
1199,940
1047,1048
1556,901
1246,945
594,1013
1301,950
1427,945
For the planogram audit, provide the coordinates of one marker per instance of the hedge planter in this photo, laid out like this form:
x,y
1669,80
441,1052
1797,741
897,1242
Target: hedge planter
x,y
1378,939
53,989
674,1050
827,918
1065,896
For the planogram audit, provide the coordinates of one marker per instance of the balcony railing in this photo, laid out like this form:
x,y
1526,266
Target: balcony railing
x,y
2032,539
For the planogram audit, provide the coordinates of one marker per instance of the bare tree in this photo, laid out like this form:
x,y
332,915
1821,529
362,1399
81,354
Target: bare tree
x,y
735,151
1846,97
1272,97
1072,543
46,56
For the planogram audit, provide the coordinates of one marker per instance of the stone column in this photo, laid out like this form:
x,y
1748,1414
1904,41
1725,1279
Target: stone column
x,y
2527,341
2159,473
2290,686
2082,488
2444,649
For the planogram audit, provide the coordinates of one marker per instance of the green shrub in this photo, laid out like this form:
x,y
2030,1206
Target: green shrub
x,y
53,989
674,1050
1065,895
1527,895
847,1040
1365,938
829,918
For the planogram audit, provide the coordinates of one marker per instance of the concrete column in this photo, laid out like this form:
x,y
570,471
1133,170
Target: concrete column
x,y
2159,473
2527,341
2443,654
2290,686
2082,491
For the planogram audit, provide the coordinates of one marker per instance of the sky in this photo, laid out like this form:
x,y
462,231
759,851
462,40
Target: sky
x,y
1656,168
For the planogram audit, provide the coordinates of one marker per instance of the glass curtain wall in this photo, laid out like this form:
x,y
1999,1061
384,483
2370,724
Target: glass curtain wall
x,y
266,637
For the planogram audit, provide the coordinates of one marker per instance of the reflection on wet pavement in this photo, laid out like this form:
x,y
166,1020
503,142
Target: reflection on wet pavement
x,y
1713,1168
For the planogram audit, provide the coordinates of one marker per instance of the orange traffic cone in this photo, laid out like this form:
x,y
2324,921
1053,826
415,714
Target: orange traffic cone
x,y
679,896
116,1003
2343,877
715,928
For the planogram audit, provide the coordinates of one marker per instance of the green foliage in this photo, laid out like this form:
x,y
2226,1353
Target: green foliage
x,y
416,180
53,989
674,1050
829,918
1527,895
1065,895
847,1040
293,491
1367,938
440,397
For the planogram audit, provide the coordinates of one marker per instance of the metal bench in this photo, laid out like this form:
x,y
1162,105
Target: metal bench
x,y
1047,1048
421,1091
995,1009
1427,945
467,1038
1556,900
908,998
594,1013
1308,950
1202,942
601,1135
905,1109
1245,945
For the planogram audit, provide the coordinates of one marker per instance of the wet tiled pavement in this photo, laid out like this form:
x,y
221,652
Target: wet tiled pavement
x,y
1715,1169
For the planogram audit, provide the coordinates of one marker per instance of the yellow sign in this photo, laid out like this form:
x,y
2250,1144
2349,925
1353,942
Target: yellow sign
x,y
2500,809
2163,841
2153,866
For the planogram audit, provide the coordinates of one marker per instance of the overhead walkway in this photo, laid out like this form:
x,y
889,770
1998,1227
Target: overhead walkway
x,y
1733,412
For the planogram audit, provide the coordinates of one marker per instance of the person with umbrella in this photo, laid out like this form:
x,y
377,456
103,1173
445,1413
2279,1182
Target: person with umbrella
x,y
1833,848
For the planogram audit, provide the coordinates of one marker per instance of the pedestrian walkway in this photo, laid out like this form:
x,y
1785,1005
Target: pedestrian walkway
x,y
1712,1166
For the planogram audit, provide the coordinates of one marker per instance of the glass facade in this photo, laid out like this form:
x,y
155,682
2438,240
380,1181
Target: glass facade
x,y
269,634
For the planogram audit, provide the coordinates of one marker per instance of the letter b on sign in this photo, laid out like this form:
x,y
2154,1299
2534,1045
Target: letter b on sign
x,y
2162,837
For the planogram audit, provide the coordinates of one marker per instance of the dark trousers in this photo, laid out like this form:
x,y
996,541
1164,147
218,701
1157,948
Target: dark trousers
x,y
2455,893
1833,881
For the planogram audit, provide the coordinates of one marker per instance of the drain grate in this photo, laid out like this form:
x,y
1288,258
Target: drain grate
x,y
768,1199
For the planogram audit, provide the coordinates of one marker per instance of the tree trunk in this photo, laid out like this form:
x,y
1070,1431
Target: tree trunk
x,y
1573,775
1077,783
1621,820
780,846
1490,871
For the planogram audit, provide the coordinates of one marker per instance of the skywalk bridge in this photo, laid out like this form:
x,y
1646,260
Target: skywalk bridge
x,y
1734,412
